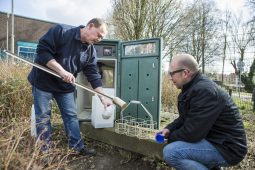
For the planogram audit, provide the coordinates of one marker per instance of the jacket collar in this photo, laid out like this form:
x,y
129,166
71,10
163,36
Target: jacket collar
x,y
195,78
78,32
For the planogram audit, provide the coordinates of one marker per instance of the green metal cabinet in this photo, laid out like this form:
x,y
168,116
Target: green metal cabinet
x,y
133,70
140,77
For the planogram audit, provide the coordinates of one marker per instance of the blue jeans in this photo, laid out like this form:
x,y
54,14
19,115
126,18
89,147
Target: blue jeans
x,y
192,156
66,104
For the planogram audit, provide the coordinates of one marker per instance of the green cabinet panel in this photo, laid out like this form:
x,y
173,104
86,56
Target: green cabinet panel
x,y
129,84
148,87
140,81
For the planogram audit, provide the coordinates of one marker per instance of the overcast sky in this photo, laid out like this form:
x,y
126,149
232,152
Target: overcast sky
x,y
73,12
76,12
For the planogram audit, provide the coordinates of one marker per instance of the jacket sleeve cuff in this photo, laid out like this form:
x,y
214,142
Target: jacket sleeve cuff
x,y
96,83
170,127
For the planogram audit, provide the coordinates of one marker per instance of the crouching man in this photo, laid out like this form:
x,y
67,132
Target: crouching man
x,y
209,132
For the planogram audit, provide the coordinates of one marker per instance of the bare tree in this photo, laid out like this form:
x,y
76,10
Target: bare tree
x,y
137,19
129,18
242,35
201,41
225,28
251,4
187,28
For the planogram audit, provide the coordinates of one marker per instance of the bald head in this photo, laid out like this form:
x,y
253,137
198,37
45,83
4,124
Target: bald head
x,y
97,22
185,61
182,69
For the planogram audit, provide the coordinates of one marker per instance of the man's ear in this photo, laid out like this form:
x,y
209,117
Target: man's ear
x,y
187,73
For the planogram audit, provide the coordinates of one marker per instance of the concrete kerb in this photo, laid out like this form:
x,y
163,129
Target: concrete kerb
x,y
145,147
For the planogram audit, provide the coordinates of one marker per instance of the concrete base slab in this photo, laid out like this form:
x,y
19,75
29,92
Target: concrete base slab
x,y
145,147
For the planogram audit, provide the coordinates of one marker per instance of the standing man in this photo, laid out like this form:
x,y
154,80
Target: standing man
x,y
209,131
67,51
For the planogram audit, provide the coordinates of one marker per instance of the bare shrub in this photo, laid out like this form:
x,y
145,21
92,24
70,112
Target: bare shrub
x,y
169,95
15,90
18,150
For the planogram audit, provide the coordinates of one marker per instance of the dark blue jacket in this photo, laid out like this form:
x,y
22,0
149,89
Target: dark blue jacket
x,y
63,43
208,112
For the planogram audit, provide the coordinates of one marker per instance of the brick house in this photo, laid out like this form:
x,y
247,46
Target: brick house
x,y
27,31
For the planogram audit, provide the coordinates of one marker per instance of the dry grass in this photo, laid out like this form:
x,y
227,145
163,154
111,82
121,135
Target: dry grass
x,y
15,91
169,95
18,150
21,151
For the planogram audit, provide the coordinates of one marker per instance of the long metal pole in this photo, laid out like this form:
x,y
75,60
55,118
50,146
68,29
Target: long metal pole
x,y
7,32
12,36
7,36
239,82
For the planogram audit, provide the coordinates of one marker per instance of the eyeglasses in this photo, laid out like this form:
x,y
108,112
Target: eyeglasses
x,y
176,71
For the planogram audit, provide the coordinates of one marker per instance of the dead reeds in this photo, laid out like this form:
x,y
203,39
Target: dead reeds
x,y
18,149
169,95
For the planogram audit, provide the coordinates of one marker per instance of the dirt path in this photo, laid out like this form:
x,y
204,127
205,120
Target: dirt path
x,y
112,158
112,161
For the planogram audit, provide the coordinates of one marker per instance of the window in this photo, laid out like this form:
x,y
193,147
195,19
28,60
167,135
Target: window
x,y
27,50
140,49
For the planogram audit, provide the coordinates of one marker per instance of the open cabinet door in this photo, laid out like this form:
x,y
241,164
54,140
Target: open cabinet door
x,y
140,77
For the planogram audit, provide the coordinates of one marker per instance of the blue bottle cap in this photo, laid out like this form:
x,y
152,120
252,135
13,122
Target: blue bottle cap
x,y
159,138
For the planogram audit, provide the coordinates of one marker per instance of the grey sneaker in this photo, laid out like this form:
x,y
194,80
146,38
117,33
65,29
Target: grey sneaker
x,y
87,152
